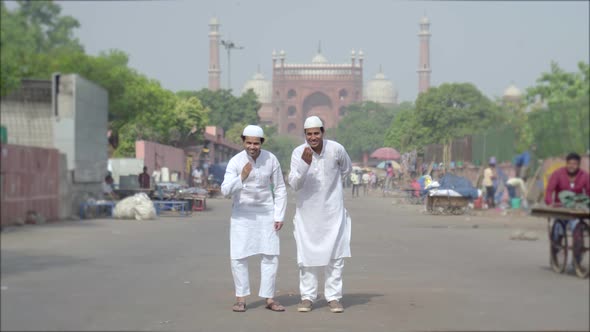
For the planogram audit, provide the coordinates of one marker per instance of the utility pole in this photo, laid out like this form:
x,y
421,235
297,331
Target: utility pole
x,y
229,45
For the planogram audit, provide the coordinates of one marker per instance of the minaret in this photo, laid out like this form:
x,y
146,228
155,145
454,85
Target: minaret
x,y
424,64
214,69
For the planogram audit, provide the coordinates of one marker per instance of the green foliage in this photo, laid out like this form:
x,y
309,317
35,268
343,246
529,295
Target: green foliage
x,y
281,146
363,128
172,120
562,128
30,37
37,41
497,141
560,123
454,110
558,86
405,133
442,113
234,134
516,118
225,110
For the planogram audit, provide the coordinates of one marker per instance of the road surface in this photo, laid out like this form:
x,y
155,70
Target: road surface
x,y
409,271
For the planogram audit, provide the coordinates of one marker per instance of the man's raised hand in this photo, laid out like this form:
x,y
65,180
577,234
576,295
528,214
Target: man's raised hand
x,y
307,155
246,171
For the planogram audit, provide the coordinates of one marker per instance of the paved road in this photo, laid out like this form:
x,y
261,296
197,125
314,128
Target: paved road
x,y
410,271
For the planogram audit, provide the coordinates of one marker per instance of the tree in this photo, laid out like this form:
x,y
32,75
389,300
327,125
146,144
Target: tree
x,y
453,110
36,41
234,134
225,109
363,128
31,36
174,124
281,146
405,133
558,85
559,124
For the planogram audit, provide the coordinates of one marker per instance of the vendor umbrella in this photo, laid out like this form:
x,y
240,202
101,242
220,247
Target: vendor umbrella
x,y
386,154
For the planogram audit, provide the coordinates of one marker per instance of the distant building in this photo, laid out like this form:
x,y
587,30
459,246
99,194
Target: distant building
x,y
298,90
424,59
214,68
381,90
512,94
263,90
317,88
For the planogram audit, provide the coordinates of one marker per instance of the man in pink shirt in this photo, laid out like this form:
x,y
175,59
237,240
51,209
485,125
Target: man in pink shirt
x,y
570,177
576,180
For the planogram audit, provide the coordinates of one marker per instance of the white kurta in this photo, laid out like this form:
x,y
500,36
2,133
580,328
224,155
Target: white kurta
x,y
322,224
254,209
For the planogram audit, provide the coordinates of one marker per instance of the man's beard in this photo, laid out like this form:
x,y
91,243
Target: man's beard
x,y
573,173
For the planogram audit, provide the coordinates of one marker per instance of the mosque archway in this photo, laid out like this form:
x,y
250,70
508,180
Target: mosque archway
x,y
319,104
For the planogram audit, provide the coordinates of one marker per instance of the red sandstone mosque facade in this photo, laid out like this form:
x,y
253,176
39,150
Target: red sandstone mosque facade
x,y
321,88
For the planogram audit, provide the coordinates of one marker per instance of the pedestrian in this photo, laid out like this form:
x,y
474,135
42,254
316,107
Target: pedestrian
x,y
489,175
257,216
107,188
197,177
322,224
389,176
575,180
373,180
366,178
144,179
355,179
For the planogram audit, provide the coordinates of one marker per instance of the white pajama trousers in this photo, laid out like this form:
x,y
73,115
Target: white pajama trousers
x,y
308,280
268,272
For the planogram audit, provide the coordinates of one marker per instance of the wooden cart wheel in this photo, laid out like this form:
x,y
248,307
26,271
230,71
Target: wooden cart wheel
x,y
581,249
558,246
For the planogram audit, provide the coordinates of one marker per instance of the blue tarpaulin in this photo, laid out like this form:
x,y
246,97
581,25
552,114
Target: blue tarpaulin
x,y
459,184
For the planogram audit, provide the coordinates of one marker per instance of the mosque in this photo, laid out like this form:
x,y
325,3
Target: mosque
x,y
320,87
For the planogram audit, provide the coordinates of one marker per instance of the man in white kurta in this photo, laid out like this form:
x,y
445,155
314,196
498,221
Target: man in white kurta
x,y
257,215
322,224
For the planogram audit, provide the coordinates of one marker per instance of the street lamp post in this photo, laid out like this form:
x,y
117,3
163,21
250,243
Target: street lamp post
x,y
229,45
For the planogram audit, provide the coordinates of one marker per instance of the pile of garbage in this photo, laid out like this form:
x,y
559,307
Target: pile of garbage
x,y
138,207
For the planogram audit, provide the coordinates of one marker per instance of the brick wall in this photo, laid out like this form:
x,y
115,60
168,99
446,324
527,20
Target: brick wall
x,y
156,156
29,182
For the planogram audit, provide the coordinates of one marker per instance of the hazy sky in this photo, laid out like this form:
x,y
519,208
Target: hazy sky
x,y
489,44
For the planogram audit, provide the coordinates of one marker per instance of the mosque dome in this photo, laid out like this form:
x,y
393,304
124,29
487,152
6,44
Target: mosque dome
x,y
319,59
261,87
380,90
512,92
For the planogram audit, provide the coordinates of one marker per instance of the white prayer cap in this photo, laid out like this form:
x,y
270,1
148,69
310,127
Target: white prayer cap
x,y
312,122
253,131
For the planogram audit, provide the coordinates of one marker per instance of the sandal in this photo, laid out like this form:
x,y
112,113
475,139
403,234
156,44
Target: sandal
x,y
275,306
239,307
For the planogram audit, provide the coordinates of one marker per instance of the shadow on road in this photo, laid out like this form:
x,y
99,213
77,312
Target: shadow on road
x,y
349,300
